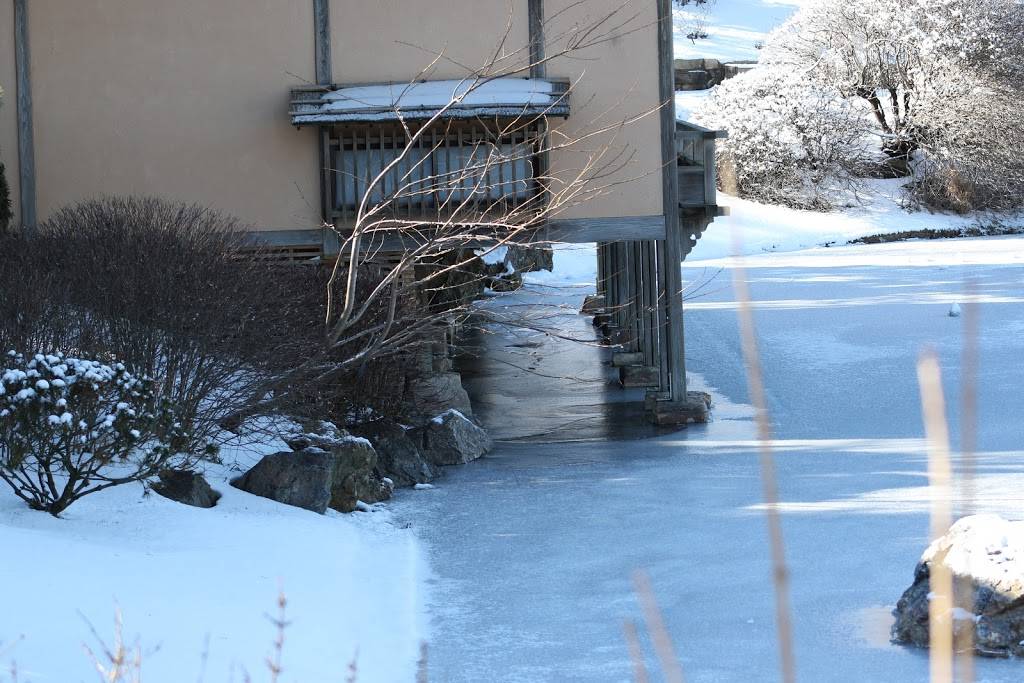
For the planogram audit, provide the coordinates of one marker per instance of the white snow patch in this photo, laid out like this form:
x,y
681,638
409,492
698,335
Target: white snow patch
x,y
986,547
451,412
189,581
499,92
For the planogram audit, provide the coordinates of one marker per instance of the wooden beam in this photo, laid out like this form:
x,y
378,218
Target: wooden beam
x,y
26,134
672,278
535,9
585,230
322,37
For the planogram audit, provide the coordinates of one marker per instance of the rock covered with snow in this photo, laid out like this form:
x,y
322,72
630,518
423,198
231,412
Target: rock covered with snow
x,y
398,456
453,439
985,554
186,487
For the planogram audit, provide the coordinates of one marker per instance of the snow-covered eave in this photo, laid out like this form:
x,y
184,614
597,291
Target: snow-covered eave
x,y
502,98
373,116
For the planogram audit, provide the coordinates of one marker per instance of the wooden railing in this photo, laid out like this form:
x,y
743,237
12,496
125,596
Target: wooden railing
x,y
695,150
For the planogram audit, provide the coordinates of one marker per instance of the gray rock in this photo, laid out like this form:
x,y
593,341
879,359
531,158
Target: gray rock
x,y
398,456
981,551
353,478
186,487
331,469
452,439
531,259
435,393
302,479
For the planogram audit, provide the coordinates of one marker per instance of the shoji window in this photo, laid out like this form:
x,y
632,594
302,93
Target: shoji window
x,y
456,167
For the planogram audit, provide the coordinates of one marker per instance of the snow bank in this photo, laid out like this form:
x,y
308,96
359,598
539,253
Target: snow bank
x,y
436,94
688,101
768,228
190,581
575,265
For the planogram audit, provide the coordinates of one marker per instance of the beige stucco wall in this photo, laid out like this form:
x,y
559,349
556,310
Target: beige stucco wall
x,y
8,106
188,99
185,99
394,40
614,81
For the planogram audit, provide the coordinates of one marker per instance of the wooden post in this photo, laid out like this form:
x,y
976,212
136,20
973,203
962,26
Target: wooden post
x,y
649,301
322,41
535,8
672,277
26,134
324,77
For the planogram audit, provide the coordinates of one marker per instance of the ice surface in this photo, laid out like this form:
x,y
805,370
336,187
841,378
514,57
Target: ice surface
x,y
535,545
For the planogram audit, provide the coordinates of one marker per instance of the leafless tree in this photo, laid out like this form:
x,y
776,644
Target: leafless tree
x,y
409,252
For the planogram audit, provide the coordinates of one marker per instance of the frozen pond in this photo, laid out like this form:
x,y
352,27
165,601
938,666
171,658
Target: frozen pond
x,y
533,548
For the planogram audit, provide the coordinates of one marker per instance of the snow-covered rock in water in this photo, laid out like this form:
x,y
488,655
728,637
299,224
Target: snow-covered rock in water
x,y
398,456
986,553
452,439
954,311
186,487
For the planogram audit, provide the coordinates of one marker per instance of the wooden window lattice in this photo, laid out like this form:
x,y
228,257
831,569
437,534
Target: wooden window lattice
x,y
471,166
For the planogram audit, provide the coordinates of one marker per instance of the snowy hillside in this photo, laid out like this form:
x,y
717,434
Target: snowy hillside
x,y
734,28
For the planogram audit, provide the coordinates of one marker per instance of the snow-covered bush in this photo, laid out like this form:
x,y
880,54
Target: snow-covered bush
x,y
70,427
789,142
940,78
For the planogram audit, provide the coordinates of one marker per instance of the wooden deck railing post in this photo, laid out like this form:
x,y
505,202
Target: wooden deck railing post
x,y
672,262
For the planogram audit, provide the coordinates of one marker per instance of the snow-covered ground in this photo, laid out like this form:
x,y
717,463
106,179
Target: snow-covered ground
x,y
534,547
196,587
734,28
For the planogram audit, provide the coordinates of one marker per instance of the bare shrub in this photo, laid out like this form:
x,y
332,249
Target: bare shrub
x,y
164,288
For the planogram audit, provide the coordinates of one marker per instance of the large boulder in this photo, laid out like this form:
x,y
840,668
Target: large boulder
x,y
398,457
330,468
985,554
186,487
453,439
302,479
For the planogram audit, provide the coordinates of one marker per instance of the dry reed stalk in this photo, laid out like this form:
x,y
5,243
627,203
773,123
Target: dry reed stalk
x,y
280,623
670,666
940,605
636,654
422,675
769,484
